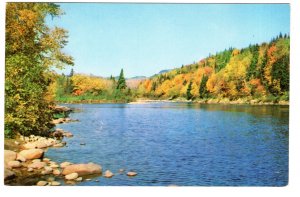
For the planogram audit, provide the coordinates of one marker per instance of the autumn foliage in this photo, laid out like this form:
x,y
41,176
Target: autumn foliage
x,y
255,72
31,50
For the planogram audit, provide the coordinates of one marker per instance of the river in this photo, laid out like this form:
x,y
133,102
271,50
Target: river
x,y
184,144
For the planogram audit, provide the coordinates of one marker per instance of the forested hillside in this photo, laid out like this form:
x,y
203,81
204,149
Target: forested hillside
x,y
257,72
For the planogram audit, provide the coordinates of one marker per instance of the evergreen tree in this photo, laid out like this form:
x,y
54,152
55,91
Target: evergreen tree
x,y
202,89
121,85
188,91
71,73
251,71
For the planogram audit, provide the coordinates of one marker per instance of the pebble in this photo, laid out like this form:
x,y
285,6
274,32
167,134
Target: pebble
x,y
46,160
55,183
56,172
88,179
51,179
71,176
54,166
30,170
78,179
42,183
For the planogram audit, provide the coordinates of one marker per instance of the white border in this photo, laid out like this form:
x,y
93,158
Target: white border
x,y
294,176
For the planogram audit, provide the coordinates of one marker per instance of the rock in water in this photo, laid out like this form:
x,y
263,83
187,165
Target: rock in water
x,y
83,169
67,134
8,174
14,164
71,176
9,156
131,173
32,153
108,174
42,183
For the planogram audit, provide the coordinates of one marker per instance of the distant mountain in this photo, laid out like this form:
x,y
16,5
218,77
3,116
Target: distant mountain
x,y
164,71
134,82
137,77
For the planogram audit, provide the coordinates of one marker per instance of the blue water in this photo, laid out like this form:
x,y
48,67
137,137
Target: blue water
x,y
180,143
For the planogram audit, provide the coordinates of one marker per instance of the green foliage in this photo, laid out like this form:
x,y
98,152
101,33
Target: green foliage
x,y
203,90
259,71
188,91
252,71
31,48
121,85
222,59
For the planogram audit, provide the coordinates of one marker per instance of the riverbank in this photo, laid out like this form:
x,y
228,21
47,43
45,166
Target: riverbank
x,y
25,162
246,101
212,101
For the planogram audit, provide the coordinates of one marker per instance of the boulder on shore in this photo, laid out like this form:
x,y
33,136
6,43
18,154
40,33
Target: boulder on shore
x,y
32,153
37,165
37,144
83,169
65,164
9,156
14,164
20,158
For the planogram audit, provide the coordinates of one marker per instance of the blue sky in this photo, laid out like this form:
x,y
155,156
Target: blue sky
x,y
146,38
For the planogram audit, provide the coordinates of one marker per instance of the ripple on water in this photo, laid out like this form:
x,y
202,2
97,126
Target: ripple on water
x,y
181,144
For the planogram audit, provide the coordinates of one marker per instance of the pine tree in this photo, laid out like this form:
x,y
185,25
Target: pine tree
x,y
121,82
71,73
202,89
188,91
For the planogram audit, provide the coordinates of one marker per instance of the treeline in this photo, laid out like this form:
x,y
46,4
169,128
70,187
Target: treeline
x,y
31,50
257,72
75,88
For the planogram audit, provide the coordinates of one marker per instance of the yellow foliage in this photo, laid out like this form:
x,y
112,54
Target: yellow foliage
x,y
84,83
195,90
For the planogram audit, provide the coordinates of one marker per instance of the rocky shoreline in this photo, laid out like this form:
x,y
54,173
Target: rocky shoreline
x,y
211,101
25,164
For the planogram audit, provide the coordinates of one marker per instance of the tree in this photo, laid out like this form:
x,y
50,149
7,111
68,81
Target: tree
x,y
188,91
31,50
202,89
71,72
121,85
